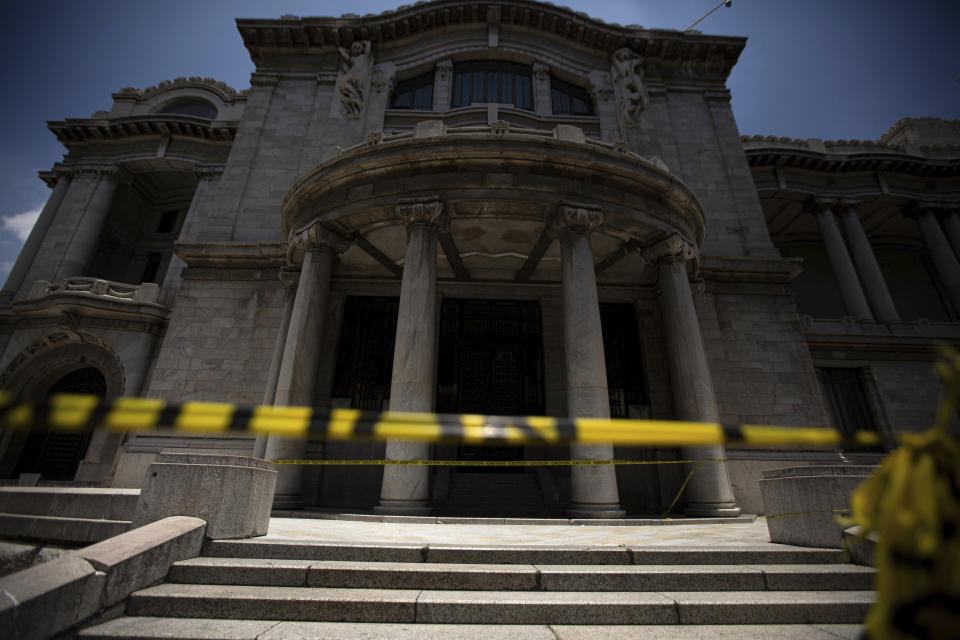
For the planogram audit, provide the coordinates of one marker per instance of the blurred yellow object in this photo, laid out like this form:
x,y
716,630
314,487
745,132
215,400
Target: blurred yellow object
x,y
912,502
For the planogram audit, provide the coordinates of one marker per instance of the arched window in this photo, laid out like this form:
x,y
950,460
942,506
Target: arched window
x,y
415,93
569,99
492,81
191,107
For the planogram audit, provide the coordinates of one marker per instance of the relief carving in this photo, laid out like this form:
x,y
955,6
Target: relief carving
x,y
421,211
577,218
627,72
355,70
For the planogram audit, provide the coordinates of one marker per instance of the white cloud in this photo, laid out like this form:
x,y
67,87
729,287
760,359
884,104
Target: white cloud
x,y
5,267
20,224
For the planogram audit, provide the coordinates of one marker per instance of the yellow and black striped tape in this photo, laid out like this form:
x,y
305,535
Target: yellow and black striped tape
x,y
68,412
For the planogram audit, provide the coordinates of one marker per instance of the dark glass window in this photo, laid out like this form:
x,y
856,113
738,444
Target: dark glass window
x,y
415,93
492,81
191,107
849,406
168,220
152,267
569,99
626,382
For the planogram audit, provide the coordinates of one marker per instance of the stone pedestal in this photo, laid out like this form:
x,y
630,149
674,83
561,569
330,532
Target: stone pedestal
x,y
406,490
593,489
708,493
232,494
800,502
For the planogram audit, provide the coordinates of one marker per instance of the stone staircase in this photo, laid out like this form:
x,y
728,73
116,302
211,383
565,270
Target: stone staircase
x,y
282,589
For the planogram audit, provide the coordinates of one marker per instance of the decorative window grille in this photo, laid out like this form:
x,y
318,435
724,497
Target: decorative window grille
x,y
492,81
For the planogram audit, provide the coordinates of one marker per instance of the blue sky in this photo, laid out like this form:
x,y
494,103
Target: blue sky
x,y
827,69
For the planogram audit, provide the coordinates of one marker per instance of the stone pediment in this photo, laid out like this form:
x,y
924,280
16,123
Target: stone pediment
x,y
293,34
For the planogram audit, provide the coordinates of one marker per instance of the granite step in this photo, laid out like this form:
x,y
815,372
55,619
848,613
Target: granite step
x,y
499,607
522,554
520,577
143,628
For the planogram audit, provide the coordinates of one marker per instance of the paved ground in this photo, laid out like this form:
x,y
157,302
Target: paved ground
x,y
742,533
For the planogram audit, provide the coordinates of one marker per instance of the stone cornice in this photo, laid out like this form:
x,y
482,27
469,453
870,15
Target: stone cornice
x,y
845,156
75,130
232,254
296,34
227,93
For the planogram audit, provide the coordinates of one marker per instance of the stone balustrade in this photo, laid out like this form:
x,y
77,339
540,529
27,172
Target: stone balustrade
x,y
147,292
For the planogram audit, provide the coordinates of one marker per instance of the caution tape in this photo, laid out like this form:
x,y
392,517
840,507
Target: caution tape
x,y
68,412
485,463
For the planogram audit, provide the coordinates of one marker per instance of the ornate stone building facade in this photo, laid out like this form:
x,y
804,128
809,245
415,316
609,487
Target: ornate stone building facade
x,y
501,208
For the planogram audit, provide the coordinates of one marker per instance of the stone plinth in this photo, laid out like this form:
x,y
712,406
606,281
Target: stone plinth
x,y
232,494
800,502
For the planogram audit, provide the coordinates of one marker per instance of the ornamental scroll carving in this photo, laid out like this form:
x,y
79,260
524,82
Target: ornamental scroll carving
x,y
421,211
313,237
576,218
356,65
670,248
627,70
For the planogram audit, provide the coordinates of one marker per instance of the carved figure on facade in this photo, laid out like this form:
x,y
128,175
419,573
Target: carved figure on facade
x,y
356,65
627,70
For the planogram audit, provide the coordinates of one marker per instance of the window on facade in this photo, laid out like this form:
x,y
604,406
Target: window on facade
x,y
168,221
152,268
191,107
415,93
847,397
492,81
569,99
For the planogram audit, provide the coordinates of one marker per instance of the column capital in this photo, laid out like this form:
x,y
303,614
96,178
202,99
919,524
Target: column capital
x,y
313,237
576,218
822,205
444,67
426,212
541,72
848,203
208,171
670,249
289,277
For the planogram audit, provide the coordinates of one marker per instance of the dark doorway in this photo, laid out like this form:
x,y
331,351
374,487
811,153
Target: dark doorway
x,y
490,362
56,456
626,381
365,354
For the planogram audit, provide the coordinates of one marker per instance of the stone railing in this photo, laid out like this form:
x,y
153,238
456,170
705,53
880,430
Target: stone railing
x,y
436,128
147,292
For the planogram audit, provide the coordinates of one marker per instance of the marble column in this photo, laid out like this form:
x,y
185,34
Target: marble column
x,y
843,269
874,284
289,278
35,239
593,489
709,492
79,251
298,371
951,224
948,268
406,490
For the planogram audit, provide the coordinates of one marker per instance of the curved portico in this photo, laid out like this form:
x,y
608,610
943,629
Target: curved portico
x,y
494,200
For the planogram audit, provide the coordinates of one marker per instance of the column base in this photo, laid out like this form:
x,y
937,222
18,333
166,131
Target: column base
x,y
287,502
596,511
403,508
712,510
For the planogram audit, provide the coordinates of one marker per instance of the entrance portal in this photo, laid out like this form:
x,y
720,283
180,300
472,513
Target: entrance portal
x,y
490,362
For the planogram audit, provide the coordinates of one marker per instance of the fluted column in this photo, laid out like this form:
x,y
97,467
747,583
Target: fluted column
x,y
79,251
948,268
951,224
874,284
709,492
30,248
406,490
843,269
298,371
593,489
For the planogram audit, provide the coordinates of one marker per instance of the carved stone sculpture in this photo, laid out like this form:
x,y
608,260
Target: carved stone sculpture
x,y
355,68
628,76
